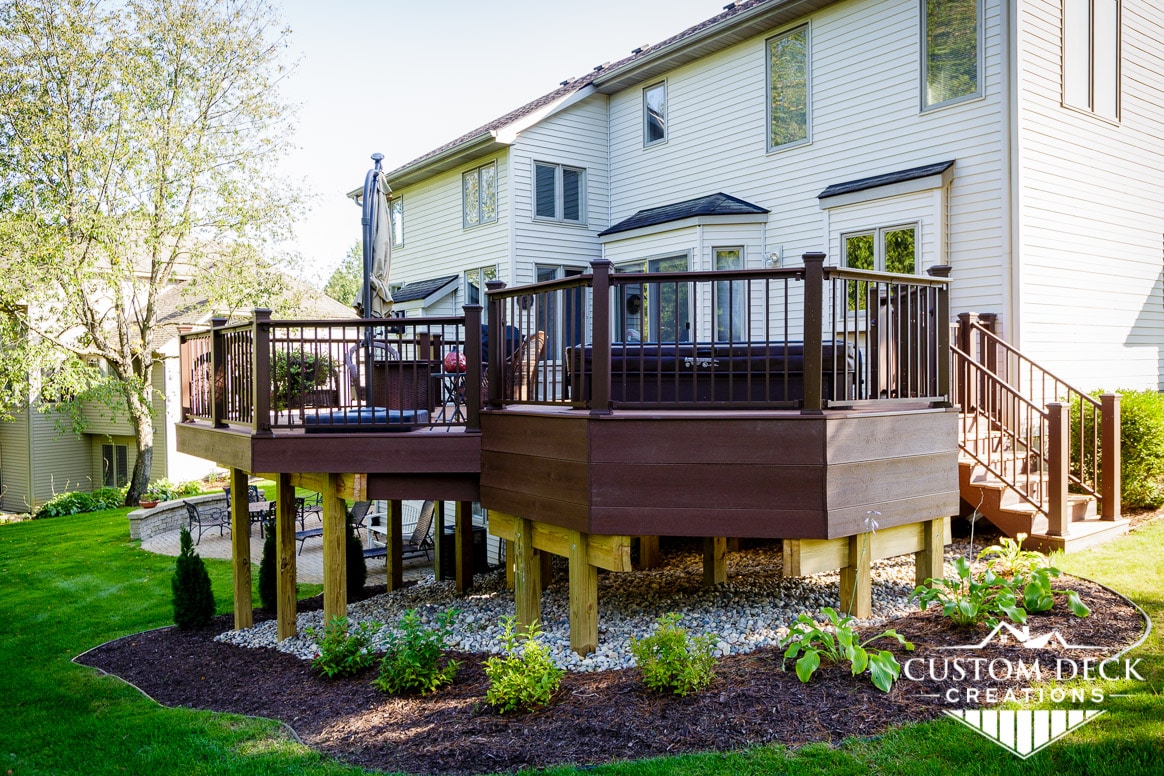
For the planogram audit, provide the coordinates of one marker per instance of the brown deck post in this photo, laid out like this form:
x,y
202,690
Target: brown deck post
x,y
240,540
583,596
496,346
813,331
714,560
1109,483
942,323
394,549
185,370
285,552
600,339
261,340
472,367
1058,459
928,562
857,578
217,373
463,541
335,567
527,572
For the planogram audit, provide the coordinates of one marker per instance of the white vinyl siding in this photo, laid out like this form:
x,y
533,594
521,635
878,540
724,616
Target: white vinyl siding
x,y
1091,56
865,121
1092,290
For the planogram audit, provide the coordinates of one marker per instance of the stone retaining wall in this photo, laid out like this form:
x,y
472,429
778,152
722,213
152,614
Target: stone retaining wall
x,y
167,516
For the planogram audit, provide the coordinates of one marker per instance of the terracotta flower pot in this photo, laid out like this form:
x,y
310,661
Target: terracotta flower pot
x,y
147,504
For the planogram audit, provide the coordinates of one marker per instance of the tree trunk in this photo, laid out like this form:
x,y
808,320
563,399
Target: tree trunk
x,y
143,423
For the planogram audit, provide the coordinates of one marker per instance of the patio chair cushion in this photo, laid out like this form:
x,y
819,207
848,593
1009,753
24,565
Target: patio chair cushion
x,y
365,419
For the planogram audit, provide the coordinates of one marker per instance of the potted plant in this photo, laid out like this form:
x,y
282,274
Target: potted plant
x,y
299,377
154,494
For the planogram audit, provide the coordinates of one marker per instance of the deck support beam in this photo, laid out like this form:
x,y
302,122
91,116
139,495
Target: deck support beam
x,y
394,539
929,561
463,542
285,561
583,596
857,577
240,540
714,560
527,574
335,567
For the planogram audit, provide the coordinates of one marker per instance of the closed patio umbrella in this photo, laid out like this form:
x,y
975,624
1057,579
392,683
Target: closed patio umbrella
x,y
375,299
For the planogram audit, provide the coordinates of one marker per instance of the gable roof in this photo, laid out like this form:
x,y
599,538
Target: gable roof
x,y
718,204
421,289
738,21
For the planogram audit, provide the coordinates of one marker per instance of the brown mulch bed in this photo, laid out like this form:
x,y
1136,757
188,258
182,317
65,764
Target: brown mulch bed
x,y
596,717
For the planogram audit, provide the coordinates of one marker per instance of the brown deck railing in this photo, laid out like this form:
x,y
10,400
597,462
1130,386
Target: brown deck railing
x,y
337,376
1031,429
807,337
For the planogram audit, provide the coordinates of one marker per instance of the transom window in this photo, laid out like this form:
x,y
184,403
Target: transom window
x,y
887,249
1091,56
479,195
951,41
559,192
789,93
655,114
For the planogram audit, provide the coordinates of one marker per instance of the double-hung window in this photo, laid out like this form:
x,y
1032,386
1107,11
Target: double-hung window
x,y
479,195
559,193
396,220
951,48
655,114
789,89
655,311
1091,56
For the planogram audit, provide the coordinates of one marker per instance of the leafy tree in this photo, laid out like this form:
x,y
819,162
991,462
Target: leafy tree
x,y
344,284
137,142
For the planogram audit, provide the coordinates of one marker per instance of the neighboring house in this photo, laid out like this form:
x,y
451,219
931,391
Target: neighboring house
x,y
1016,142
37,461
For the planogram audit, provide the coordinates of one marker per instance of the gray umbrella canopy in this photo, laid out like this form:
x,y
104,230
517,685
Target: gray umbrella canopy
x,y
375,298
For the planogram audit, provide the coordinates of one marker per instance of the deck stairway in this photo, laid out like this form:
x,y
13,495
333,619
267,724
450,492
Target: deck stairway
x,y
1027,462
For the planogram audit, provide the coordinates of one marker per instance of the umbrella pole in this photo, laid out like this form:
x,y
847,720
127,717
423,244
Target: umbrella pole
x,y
371,183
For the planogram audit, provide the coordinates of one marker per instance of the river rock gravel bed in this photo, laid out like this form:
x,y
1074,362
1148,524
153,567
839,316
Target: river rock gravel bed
x,y
753,609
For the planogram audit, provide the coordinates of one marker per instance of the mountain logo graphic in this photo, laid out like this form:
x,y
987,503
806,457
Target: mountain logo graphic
x,y
1025,731
1005,631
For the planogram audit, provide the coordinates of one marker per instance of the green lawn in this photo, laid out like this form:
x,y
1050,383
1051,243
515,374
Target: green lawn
x,y
71,583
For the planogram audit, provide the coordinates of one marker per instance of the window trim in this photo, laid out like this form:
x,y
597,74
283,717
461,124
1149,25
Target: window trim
x,y
879,233
979,53
464,205
559,194
1089,109
647,143
807,139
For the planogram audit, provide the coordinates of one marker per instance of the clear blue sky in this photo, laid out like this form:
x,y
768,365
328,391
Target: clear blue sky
x,y
403,78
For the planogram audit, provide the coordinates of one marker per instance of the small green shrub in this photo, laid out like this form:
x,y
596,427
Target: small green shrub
x,y
413,659
839,645
1141,446
342,653
968,599
522,680
74,503
164,490
192,596
670,661
1037,595
296,373
108,498
1009,559
268,568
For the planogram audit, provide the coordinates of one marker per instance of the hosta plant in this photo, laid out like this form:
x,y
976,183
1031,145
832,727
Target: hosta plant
x,y
968,599
1009,559
1038,595
838,643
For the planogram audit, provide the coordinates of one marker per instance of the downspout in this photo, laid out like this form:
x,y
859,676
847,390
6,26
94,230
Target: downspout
x,y
1011,160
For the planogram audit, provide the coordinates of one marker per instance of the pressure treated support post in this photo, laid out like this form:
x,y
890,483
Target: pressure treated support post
x,y
1058,458
463,540
508,564
394,545
284,556
857,578
527,573
648,553
335,567
583,596
714,560
1109,482
438,530
813,328
261,396
547,570
928,562
240,539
